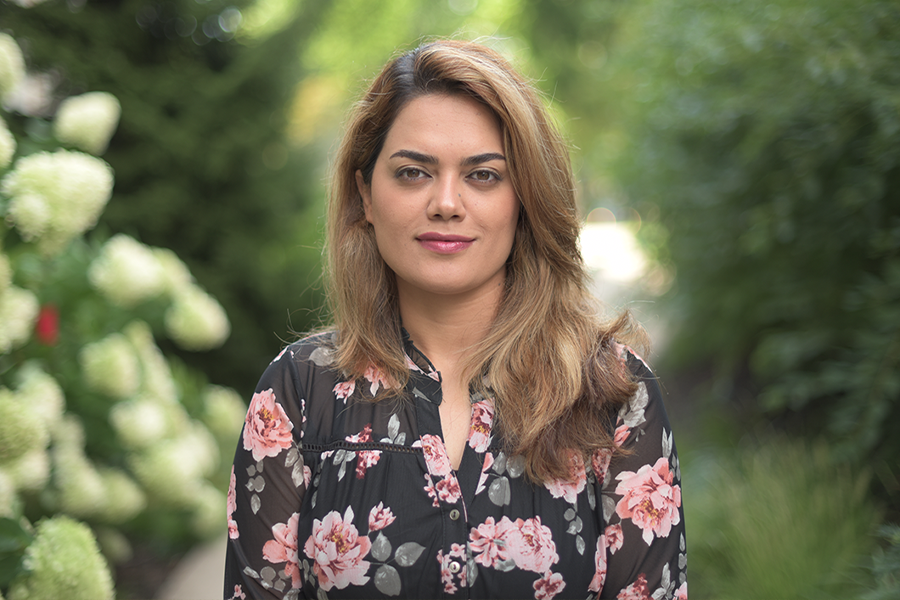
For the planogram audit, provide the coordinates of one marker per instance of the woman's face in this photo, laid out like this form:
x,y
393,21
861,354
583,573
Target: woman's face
x,y
441,200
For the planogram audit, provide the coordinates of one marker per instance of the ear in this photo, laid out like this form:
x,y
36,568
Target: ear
x,y
365,191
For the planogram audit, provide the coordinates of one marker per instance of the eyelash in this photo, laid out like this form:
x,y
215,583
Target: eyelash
x,y
405,172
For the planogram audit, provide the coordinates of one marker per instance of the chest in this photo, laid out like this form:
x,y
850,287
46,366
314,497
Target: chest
x,y
391,513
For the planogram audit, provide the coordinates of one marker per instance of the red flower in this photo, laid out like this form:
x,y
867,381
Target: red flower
x,y
47,326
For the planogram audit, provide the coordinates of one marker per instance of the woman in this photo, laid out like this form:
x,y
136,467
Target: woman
x,y
469,427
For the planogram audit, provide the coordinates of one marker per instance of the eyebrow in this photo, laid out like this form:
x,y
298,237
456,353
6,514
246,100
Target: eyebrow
x,y
432,160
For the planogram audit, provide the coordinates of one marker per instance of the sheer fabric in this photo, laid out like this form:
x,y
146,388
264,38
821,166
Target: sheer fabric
x,y
334,496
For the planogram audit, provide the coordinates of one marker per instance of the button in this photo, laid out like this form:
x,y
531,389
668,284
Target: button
x,y
454,514
453,566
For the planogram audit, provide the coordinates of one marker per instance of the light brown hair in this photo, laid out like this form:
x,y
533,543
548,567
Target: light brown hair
x,y
549,360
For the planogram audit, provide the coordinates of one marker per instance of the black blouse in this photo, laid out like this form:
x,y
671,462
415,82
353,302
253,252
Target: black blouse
x,y
334,496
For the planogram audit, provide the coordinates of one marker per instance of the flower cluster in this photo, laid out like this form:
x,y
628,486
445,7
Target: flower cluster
x,y
18,311
196,321
56,196
111,366
63,561
87,121
12,65
7,145
126,272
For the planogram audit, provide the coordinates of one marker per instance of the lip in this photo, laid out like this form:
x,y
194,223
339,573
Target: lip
x,y
443,243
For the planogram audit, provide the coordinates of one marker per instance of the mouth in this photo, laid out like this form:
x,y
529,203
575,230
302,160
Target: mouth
x,y
443,243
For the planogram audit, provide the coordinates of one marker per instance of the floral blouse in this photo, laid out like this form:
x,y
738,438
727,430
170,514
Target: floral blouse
x,y
333,496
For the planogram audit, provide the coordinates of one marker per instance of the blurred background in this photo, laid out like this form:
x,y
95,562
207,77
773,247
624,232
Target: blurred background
x,y
163,169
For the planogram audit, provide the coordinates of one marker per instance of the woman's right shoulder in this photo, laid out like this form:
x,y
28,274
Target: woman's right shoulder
x,y
315,350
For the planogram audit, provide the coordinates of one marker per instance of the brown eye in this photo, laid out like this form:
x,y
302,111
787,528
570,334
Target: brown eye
x,y
411,173
484,175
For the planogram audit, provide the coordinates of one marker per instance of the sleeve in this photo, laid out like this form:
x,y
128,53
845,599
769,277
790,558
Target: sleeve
x,y
268,482
641,501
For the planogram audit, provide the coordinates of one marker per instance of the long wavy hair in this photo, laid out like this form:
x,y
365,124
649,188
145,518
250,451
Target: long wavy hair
x,y
549,360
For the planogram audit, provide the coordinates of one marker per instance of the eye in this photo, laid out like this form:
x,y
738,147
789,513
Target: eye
x,y
411,174
484,176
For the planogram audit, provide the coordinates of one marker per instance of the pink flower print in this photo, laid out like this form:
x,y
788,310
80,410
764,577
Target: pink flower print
x,y
364,458
446,574
621,434
649,499
448,489
548,586
482,422
488,462
375,377
531,545
599,566
344,390
600,463
488,542
267,429
570,488
231,506
307,476
432,493
636,591
338,550
380,517
280,354
238,594
614,538
283,548
681,592
436,457
411,365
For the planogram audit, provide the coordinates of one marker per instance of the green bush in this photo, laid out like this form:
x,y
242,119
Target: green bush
x,y
101,433
766,137
780,520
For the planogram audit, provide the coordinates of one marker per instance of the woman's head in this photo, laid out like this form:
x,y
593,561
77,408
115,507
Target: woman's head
x,y
546,236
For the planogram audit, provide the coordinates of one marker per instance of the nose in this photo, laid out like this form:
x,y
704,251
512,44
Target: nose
x,y
446,200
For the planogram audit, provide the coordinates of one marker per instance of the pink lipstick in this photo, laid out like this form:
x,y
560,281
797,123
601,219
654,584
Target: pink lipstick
x,y
443,243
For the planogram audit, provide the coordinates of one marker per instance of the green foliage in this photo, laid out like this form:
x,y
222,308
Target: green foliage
x,y
886,566
201,162
14,540
779,520
767,134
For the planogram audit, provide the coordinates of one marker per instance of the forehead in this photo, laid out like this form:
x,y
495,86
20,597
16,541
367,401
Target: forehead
x,y
448,123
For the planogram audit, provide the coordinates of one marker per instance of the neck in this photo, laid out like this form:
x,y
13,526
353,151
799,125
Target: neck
x,y
445,327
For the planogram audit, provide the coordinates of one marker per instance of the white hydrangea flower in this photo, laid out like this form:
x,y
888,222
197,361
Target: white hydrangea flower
x,y
18,311
12,65
22,428
56,196
30,472
224,412
111,366
124,497
80,490
158,381
126,272
87,121
196,321
7,145
41,391
143,421
175,273
168,472
5,272
63,561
